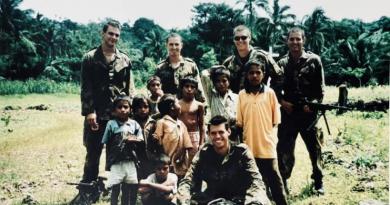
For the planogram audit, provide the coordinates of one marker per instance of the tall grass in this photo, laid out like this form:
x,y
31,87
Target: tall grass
x,y
40,86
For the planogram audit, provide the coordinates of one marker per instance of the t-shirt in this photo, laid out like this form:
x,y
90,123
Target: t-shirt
x,y
257,114
171,177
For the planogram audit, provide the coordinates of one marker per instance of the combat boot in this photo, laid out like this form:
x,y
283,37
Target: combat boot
x,y
286,188
319,187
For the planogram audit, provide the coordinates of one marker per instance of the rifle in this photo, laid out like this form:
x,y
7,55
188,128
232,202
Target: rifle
x,y
322,108
89,193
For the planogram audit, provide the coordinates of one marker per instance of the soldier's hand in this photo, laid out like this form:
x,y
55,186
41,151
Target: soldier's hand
x,y
287,106
91,119
307,109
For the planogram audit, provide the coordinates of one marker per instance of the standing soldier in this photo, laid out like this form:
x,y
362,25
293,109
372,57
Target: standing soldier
x,y
105,74
243,53
176,67
304,77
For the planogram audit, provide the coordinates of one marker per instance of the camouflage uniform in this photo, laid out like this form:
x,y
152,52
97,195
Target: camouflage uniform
x,y
170,77
234,176
306,77
101,82
237,70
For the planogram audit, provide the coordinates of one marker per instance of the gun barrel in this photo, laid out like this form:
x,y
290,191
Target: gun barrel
x,y
320,106
83,184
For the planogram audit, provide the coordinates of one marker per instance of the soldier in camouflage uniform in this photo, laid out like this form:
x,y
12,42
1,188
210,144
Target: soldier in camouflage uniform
x,y
243,53
176,67
228,168
105,73
304,77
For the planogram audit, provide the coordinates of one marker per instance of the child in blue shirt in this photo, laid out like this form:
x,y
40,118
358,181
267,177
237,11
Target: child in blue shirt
x,y
121,137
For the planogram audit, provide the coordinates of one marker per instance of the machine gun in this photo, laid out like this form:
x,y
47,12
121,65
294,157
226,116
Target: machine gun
x,y
322,108
89,193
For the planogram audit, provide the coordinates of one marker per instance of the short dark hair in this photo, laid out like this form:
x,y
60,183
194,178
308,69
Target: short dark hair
x,y
217,120
248,66
296,30
111,23
173,35
121,98
151,78
255,62
188,79
161,159
138,100
218,70
165,103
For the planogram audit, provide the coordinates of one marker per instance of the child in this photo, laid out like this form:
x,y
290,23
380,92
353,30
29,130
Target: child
x,y
154,86
172,134
159,188
141,107
192,114
222,100
120,136
258,112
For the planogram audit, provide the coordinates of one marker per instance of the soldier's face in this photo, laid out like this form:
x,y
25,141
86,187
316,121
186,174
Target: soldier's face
x,y
111,36
219,136
295,42
241,40
174,46
122,110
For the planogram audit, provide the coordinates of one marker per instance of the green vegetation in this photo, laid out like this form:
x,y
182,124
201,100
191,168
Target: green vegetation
x,y
40,86
34,46
42,150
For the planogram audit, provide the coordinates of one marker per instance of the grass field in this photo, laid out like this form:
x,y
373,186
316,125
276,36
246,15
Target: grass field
x,y
42,150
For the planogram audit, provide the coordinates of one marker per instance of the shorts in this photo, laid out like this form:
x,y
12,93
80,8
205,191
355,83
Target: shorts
x,y
195,137
124,171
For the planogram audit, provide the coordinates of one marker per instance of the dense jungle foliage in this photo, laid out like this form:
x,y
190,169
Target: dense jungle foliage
x,y
352,51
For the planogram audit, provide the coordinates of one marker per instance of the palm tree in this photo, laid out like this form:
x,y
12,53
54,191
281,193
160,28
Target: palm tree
x,y
249,5
319,31
12,19
155,45
271,28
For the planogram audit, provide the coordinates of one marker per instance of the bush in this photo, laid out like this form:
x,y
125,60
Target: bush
x,y
40,86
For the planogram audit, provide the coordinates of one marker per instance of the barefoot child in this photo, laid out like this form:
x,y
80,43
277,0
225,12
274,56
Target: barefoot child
x,y
192,114
121,136
159,188
172,134
258,111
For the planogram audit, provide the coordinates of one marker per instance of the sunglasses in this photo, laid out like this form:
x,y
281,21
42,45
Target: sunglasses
x,y
237,38
113,34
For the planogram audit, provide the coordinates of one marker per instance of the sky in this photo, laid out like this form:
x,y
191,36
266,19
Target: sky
x,y
177,13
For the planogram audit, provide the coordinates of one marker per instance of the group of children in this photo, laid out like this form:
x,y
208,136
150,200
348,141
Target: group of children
x,y
138,145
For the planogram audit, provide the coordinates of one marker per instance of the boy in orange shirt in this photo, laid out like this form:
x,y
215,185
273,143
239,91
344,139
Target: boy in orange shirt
x,y
258,111
172,135
192,114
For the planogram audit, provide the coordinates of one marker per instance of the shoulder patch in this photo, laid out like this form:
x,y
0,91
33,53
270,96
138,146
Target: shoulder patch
x,y
263,52
242,145
123,53
228,59
94,48
189,60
